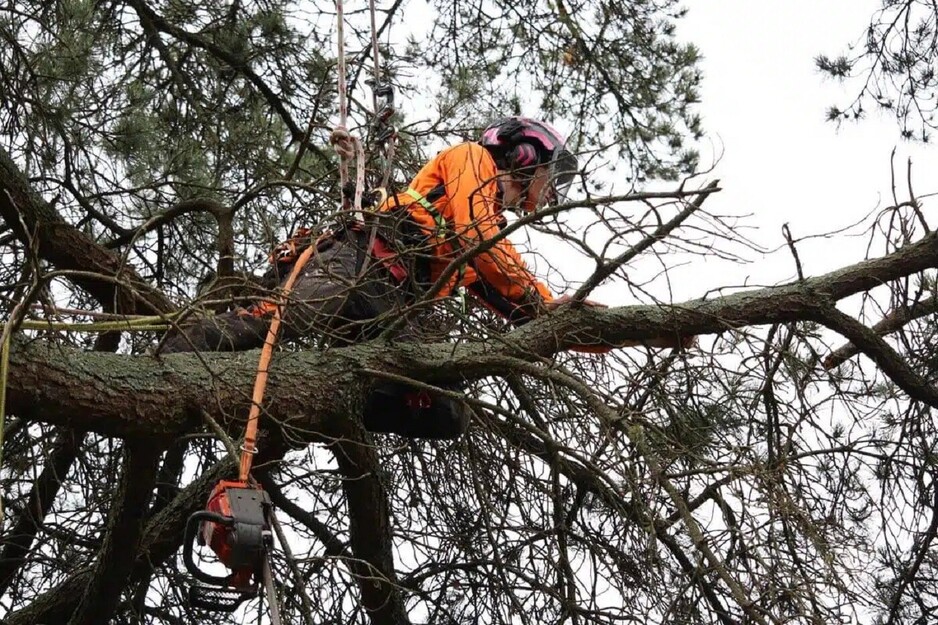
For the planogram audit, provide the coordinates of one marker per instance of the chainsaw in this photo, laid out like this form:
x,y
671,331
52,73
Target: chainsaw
x,y
235,525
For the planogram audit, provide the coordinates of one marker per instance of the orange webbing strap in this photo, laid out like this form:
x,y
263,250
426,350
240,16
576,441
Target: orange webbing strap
x,y
260,383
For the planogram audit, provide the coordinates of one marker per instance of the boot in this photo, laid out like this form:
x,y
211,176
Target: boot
x,y
396,408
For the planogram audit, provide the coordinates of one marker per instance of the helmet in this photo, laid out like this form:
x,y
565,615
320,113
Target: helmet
x,y
522,142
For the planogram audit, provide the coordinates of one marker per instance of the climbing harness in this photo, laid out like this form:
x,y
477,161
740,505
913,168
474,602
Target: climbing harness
x,y
236,521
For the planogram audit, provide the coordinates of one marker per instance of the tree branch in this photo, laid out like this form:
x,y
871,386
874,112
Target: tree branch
x,y
892,322
369,528
334,547
872,345
126,396
161,539
68,248
17,543
195,205
148,15
609,267
118,553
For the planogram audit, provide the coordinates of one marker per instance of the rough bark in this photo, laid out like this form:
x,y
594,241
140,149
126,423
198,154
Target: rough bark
x,y
369,528
128,396
118,552
160,398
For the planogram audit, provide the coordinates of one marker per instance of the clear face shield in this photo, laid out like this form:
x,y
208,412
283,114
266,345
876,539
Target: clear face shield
x,y
544,184
563,169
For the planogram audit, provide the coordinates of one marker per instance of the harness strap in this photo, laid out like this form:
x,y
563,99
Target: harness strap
x,y
429,207
390,259
441,225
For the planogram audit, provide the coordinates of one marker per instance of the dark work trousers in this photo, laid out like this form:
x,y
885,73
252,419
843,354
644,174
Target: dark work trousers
x,y
331,301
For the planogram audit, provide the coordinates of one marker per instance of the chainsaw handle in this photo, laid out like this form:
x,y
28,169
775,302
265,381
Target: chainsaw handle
x,y
192,528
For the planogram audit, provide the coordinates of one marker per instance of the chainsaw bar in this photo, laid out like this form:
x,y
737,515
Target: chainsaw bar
x,y
272,602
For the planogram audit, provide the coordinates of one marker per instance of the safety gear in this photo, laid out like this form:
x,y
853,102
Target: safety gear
x,y
398,408
332,300
519,143
453,203
235,524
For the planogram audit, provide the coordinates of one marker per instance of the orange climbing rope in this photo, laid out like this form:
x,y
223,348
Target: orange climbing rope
x,y
249,448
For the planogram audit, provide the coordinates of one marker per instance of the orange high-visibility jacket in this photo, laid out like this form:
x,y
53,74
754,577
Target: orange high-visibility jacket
x,y
454,199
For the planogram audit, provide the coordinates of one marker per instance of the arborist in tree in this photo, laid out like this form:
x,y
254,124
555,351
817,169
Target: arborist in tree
x,y
361,275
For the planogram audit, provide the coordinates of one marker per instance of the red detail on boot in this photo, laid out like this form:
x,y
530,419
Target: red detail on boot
x,y
418,400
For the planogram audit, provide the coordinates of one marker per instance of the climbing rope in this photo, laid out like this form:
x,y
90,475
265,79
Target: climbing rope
x,y
347,148
340,137
374,52
346,145
249,447
384,136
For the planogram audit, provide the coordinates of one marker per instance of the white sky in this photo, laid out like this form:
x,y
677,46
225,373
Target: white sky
x,y
763,104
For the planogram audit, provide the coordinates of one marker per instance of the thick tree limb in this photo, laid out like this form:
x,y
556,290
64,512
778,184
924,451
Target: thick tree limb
x,y
116,557
140,396
369,528
17,543
145,397
878,350
892,322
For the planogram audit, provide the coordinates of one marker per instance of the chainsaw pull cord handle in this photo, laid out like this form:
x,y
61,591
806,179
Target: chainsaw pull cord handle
x,y
248,449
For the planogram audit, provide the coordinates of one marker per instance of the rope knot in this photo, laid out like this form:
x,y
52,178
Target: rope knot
x,y
343,143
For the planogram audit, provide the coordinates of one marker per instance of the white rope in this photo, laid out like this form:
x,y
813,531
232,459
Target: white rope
x,y
340,137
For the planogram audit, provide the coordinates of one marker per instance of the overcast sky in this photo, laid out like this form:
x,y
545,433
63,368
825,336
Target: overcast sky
x,y
763,107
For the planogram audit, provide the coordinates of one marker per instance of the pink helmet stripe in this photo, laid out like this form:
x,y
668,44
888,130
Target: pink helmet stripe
x,y
541,132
